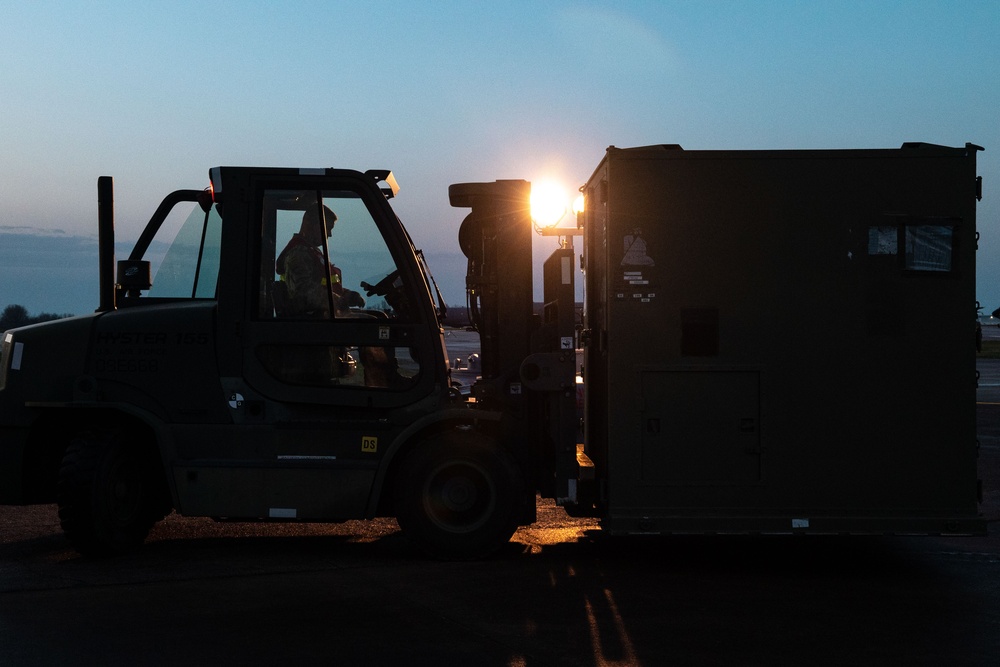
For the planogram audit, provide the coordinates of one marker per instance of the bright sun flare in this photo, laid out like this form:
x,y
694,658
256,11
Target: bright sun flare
x,y
548,203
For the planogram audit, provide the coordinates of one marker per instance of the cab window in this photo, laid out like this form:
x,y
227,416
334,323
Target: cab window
x,y
324,259
184,254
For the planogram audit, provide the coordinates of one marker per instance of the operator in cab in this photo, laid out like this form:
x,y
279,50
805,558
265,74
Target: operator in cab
x,y
309,280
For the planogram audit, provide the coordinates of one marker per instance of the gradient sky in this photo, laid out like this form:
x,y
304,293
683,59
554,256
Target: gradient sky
x,y
156,93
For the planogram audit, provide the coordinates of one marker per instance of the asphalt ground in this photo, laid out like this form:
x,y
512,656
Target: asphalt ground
x,y
561,593
200,593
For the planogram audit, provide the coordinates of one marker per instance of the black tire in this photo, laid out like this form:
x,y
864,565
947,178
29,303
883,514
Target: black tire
x,y
108,496
458,497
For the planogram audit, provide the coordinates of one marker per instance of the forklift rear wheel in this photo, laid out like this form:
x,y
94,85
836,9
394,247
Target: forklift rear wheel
x,y
105,496
459,497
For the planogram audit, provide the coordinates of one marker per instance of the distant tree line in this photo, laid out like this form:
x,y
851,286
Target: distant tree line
x,y
15,315
458,316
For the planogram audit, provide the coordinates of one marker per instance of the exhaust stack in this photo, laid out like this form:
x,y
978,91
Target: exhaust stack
x,y
106,241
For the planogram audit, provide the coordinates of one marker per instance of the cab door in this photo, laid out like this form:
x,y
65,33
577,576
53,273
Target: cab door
x,y
342,316
320,387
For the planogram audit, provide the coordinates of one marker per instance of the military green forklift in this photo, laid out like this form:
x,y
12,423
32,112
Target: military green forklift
x,y
204,392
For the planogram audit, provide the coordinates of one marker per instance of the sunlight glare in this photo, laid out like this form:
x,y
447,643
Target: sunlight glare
x,y
548,203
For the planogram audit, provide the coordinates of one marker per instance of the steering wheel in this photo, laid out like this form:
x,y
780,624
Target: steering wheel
x,y
382,287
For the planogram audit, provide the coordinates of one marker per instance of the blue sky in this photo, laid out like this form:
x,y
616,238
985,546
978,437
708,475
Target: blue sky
x,y
156,93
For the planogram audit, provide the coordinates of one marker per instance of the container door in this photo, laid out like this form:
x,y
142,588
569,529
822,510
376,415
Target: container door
x,y
700,426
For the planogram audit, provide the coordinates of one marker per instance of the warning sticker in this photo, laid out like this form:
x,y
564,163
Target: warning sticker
x,y
635,250
369,444
635,278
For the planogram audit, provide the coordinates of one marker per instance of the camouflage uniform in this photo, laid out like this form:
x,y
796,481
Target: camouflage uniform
x,y
303,270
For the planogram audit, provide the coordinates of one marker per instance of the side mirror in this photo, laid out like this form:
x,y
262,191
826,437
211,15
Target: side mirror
x,y
134,276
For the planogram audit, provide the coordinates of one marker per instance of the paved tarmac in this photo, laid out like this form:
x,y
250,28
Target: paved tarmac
x,y
205,593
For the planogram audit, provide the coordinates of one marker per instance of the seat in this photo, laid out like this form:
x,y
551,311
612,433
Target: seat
x,y
281,300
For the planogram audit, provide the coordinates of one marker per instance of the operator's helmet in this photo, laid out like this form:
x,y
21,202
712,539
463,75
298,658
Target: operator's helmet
x,y
310,218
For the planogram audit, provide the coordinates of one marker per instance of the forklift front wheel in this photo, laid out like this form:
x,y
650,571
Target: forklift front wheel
x,y
459,497
106,499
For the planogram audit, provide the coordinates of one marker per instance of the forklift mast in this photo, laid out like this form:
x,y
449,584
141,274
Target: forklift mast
x,y
496,239
528,362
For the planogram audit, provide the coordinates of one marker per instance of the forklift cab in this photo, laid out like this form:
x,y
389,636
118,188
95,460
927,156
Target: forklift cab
x,y
352,323
334,305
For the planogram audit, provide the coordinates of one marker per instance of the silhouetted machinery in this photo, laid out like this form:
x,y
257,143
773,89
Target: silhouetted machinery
x,y
802,317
